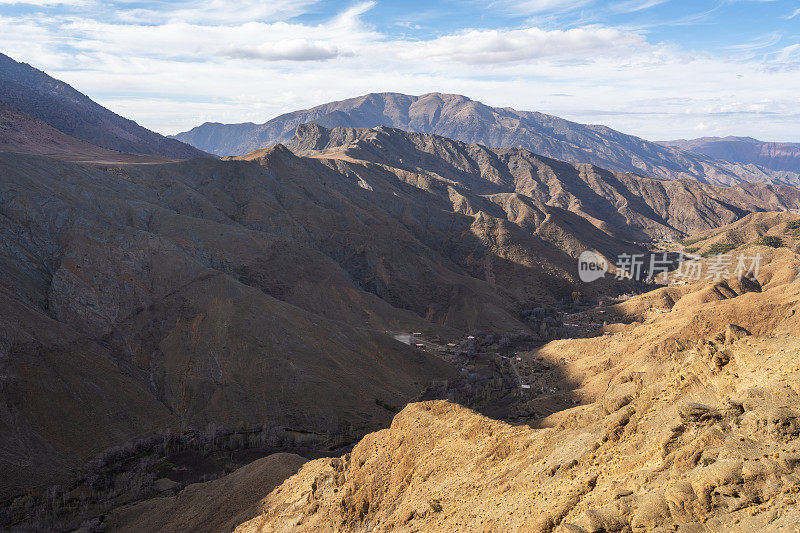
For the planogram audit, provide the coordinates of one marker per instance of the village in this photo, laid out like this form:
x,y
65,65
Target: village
x,y
502,375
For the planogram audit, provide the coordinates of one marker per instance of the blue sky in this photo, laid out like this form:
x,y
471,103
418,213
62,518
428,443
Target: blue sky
x,y
660,69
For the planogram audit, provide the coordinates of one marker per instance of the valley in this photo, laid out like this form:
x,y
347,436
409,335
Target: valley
x,y
371,315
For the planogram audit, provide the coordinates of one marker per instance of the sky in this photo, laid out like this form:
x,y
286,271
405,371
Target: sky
x,y
659,69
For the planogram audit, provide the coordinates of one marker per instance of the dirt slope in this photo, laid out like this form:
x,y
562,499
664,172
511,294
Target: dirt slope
x,y
215,506
685,422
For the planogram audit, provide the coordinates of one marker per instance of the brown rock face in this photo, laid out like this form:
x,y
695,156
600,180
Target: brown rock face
x,y
182,297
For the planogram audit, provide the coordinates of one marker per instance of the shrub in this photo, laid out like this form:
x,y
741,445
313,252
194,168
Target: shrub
x,y
436,505
689,241
793,227
770,240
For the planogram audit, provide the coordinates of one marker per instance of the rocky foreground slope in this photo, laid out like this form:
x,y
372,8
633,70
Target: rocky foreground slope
x,y
687,420
457,117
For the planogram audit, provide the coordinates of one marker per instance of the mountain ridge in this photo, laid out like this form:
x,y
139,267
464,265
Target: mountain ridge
x,y
781,156
73,113
460,118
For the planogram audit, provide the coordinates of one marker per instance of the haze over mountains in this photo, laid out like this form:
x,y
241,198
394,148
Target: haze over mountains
x,y
774,155
460,118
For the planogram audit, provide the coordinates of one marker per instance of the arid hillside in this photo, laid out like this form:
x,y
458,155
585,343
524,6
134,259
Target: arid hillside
x,y
169,315
163,296
21,133
687,420
529,187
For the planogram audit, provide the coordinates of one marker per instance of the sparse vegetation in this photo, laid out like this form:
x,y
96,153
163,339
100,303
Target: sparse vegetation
x,y
689,241
128,473
793,228
694,240
770,240
719,248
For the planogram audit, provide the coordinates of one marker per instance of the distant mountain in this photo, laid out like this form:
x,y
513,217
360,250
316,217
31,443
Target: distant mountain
x,y
24,134
774,155
75,114
460,118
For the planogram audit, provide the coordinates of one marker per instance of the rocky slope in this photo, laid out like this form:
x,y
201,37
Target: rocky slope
x,y
21,133
687,421
460,118
219,505
75,114
745,150
535,191
264,290
187,294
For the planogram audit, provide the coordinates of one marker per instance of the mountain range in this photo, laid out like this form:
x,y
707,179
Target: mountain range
x,y
167,316
745,150
457,117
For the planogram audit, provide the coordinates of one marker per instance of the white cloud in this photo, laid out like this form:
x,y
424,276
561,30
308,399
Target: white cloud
x,y
535,7
213,12
632,6
48,3
795,14
496,46
289,50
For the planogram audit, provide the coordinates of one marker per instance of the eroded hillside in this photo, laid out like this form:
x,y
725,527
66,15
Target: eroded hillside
x,y
688,419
